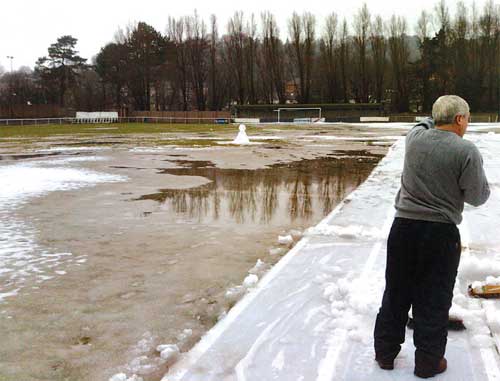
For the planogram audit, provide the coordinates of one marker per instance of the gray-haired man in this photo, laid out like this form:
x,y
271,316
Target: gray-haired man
x,y
441,172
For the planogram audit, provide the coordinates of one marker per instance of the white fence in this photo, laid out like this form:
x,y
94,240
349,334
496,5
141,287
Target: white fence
x,y
127,119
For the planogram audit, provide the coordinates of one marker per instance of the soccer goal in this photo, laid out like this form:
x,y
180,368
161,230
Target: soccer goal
x,y
301,114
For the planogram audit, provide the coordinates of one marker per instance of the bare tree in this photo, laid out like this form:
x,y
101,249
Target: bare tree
x,y
424,64
214,90
443,60
344,56
328,47
362,21
399,53
489,25
197,48
235,54
251,43
302,34
460,49
273,54
309,22
379,47
177,35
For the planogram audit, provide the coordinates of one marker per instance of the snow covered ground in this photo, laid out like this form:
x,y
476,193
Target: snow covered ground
x,y
311,316
20,256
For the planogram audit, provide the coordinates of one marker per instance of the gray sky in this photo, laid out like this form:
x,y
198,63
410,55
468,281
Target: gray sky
x,y
28,27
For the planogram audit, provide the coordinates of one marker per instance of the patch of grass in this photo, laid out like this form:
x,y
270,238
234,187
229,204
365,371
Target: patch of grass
x,y
49,130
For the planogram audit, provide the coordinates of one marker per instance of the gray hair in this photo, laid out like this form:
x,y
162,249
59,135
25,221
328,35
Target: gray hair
x,y
447,107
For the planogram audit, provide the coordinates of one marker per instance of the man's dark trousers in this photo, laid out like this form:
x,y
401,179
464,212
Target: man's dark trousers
x,y
422,262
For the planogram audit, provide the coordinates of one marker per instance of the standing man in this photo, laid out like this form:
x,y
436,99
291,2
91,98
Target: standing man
x,y
441,172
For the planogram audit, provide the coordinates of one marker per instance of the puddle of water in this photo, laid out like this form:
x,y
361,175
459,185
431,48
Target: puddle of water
x,y
297,193
160,266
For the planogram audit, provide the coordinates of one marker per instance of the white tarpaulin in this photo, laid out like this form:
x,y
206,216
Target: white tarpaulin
x,y
96,117
311,317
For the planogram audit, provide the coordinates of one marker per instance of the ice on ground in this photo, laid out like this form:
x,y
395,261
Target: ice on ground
x,y
123,377
68,160
234,293
20,255
63,148
23,181
276,251
185,334
295,233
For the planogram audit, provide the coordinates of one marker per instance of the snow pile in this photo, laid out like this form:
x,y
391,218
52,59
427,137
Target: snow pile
x,y
250,281
233,294
168,352
285,239
472,267
142,364
471,312
353,303
259,268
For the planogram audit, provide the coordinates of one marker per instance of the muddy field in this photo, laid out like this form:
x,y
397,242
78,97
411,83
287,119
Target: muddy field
x,y
153,239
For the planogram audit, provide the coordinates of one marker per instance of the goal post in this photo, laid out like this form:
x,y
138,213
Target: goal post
x,y
291,109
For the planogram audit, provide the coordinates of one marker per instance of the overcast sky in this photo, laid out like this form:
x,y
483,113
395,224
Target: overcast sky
x,y
28,27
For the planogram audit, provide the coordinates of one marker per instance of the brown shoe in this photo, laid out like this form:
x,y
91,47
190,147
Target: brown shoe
x,y
427,371
385,364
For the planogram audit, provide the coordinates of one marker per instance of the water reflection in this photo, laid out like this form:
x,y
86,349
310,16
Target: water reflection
x,y
299,192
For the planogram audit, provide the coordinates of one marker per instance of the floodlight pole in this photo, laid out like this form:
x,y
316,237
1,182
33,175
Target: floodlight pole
x,y
11,58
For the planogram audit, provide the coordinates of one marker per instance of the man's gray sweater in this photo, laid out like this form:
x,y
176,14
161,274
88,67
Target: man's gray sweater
x,y
441,172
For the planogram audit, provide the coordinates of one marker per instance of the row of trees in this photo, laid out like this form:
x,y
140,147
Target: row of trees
x,y
195,66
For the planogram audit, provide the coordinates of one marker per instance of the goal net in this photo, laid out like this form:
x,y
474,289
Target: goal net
x,y
299,114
